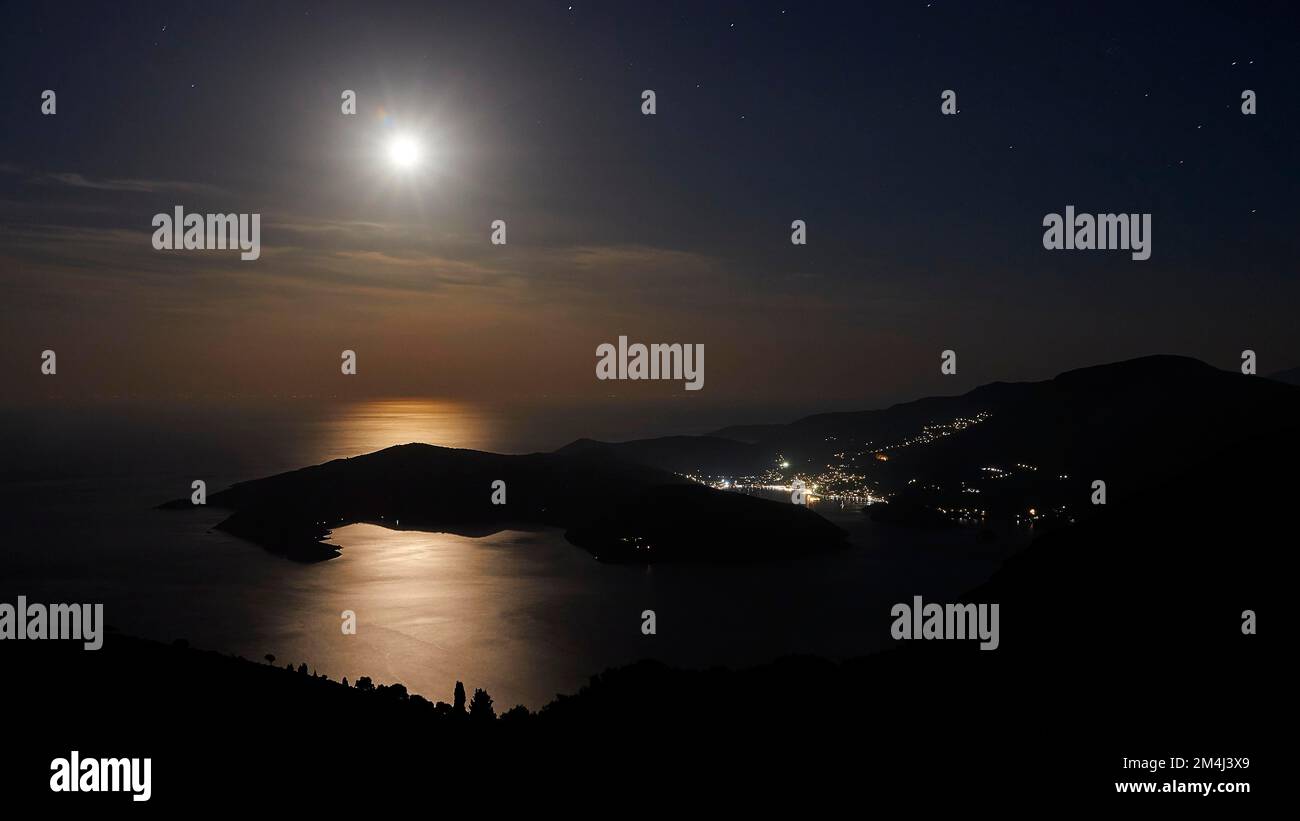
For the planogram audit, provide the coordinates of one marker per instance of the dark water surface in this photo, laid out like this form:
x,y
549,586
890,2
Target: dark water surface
x,y
523,614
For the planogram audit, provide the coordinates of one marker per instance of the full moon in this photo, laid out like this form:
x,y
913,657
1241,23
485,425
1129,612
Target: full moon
x,y
404,152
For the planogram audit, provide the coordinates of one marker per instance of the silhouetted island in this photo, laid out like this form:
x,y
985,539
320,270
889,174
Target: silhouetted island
x,y
617,510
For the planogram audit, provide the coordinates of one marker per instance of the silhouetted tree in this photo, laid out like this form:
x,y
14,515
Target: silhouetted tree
x,y
515,714
480,708
458,701
302,668
345,681
395,691
270,658
364,683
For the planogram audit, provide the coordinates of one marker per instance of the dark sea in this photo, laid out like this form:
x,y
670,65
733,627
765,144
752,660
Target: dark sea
x,y
524,615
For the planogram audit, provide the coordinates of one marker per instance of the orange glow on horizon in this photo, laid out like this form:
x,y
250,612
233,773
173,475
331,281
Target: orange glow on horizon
x,y
368,426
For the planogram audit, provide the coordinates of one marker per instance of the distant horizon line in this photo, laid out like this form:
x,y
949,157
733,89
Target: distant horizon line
x,y
583,401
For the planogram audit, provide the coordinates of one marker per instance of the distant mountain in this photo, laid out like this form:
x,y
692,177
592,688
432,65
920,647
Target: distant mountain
x,y
1137,410
615,509
1291,377
1005,448
678,454
880,427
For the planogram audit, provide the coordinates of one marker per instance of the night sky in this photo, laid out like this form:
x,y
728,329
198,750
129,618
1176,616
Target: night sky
x,y
924,230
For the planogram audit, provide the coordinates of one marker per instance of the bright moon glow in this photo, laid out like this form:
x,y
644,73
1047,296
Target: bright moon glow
x,y
404,152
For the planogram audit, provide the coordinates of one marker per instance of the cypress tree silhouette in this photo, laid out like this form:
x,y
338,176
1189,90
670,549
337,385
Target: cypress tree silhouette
x,y
480,708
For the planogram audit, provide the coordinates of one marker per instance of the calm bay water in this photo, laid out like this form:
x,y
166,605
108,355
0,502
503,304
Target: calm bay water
x,y
524,615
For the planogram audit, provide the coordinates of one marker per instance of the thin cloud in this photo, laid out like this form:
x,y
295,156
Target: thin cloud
x,y
74,180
